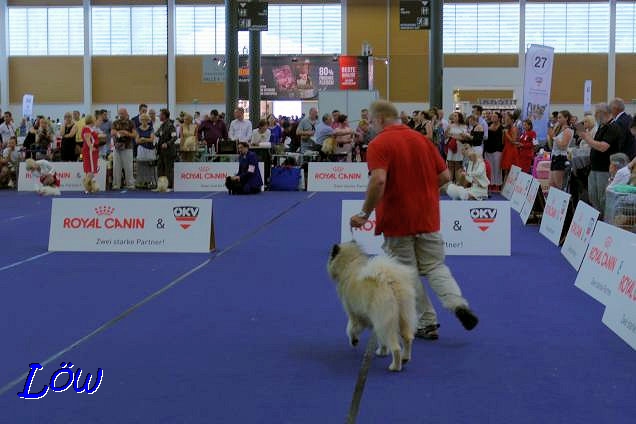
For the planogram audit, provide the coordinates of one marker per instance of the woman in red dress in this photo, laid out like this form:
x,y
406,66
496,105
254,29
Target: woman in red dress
x,y
90,150
510,154
526,147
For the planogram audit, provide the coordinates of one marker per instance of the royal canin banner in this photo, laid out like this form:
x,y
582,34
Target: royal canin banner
x,y
337,176
579,234
71,175
509,186
520,190
609,251
553,219
620,309
531,197
205,176
469,228
131,225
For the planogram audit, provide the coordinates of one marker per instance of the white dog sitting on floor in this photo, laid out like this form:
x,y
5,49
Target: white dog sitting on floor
x,y
378,293
162,185
48,191
90,184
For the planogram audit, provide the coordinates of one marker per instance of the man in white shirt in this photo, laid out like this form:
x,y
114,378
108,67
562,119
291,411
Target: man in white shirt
x,y
7,128
620,170
240,129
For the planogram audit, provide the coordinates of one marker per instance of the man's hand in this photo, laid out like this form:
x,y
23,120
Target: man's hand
x,y
357,221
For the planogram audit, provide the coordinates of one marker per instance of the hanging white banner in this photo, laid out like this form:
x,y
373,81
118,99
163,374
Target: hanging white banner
x,y
537,82
556,208
337,176
509,186
27,106
579,234
531,197
131,225
469,228
587,96
520,191
71,175
205,176
603,266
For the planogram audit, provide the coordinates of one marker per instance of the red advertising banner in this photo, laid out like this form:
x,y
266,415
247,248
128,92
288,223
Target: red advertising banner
x,y
349,72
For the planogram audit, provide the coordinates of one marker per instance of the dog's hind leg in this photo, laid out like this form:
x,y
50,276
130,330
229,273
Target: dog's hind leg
x,y
354,328
396,350
407,336
389,338
382,350
407,330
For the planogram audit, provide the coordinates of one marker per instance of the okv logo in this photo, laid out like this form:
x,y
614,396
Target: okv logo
x,y
65,371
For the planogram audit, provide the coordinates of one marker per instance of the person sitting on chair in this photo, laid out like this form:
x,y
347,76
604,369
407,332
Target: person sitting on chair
x,y
248,180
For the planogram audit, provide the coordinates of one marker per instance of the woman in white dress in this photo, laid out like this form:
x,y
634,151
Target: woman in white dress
x,y
475,176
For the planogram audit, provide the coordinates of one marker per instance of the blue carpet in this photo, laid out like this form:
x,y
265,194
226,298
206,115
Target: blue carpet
x,y
258,335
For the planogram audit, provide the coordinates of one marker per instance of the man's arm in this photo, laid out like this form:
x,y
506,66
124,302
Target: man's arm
x,y
600,146
375,190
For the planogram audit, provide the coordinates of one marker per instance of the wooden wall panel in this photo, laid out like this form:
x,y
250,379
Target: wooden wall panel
x,y
366,22
481,60
625,77
129,79
569,74
51,79
190,85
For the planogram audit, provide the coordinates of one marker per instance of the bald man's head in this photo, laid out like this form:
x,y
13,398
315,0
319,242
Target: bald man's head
x,y
122,112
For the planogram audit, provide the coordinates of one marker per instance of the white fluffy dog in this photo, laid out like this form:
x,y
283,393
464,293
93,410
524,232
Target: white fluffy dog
x,y
379,293
48,191
162,185
90,184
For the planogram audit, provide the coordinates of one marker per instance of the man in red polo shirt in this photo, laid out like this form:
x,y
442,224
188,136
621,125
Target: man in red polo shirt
x,y
406,174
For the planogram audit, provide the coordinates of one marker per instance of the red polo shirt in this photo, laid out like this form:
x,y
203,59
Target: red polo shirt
x,y
410,204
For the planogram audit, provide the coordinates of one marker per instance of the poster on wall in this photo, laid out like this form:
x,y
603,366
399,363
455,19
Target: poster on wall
x,y
303,77
537,82
213,69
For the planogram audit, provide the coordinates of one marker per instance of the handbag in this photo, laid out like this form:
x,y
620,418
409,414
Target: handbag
x,y
285,178
452,145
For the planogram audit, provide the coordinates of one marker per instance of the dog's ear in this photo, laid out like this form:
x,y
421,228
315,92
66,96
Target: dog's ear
x,y
335,250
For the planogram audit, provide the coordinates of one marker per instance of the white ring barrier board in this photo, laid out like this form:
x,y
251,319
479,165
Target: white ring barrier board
x,y
131,225
337,176
579,234
509,185
520,191
556,208
531,197
620,311
71,175
609,250
469,228
206,176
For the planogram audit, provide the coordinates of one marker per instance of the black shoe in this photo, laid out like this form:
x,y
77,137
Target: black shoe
x,y
429,332
468,319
